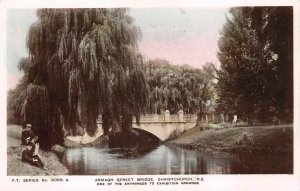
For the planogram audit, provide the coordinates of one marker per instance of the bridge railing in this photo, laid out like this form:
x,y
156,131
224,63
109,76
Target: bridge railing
x,y
164,118
190,118
174,118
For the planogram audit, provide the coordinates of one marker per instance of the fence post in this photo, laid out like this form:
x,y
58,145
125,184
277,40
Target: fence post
x,y
180,115
227,119
167,116
155,117
222,118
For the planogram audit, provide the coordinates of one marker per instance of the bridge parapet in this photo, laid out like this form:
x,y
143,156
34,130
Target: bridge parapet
x,y
164,118
163,125
190,118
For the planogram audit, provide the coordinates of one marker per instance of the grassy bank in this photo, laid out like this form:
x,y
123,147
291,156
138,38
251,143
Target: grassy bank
x,y
268,139
16,167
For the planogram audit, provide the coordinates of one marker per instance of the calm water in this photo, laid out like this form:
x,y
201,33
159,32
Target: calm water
x,y
168,160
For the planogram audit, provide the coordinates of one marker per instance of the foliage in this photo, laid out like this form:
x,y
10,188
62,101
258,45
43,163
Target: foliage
x,y
175,134
177,87
253,67
15,98
83,63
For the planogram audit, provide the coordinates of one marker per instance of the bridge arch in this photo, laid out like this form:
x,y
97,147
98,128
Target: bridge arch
x,y
162,125
161,130
164,130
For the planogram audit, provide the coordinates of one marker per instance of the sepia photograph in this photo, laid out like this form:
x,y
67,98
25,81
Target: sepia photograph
x,y
125,91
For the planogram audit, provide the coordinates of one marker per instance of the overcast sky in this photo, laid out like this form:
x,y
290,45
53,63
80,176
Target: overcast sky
x,y
18,23
182,36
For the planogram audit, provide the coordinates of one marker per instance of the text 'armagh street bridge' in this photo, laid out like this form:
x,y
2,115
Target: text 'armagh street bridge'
x,y
163,125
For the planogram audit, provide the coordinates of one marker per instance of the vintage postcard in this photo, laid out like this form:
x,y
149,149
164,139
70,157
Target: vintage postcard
x,y
131,95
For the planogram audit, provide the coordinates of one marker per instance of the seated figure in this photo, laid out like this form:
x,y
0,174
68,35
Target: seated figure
x,y
31,155
26,135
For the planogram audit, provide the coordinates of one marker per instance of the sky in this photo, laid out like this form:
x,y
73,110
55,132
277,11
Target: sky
x,y
18,23
179,35
182,36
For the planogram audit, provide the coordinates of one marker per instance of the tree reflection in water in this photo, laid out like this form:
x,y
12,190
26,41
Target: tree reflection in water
x,y
166,160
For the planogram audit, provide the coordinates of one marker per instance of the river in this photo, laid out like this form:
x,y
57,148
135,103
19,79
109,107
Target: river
x,y
170,160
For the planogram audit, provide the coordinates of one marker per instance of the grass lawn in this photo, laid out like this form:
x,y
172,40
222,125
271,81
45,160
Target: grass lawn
x,y
273,139
16,167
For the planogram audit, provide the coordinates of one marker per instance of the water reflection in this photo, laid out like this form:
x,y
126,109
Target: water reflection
x,y
166,160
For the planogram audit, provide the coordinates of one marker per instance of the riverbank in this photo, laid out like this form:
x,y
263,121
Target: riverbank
x,y
84,140
99,141
264,139
15,167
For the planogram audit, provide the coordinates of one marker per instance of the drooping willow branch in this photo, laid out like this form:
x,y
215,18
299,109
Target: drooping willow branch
x,y
87,62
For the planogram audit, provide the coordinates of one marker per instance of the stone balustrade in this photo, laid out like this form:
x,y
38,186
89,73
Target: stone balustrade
x,y
164,118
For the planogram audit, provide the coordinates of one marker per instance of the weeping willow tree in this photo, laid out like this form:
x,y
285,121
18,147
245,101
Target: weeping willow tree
x,y
83,63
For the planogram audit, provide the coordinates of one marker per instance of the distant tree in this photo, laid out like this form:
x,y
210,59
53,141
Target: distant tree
x,y
177,87
15,98
82,63
249,82
155,98
275,28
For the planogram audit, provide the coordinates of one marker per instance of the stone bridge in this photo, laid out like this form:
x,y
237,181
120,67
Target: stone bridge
x,y
163,125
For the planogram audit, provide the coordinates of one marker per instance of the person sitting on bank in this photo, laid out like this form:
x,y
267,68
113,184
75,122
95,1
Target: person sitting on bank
x,y
26,135
31,155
